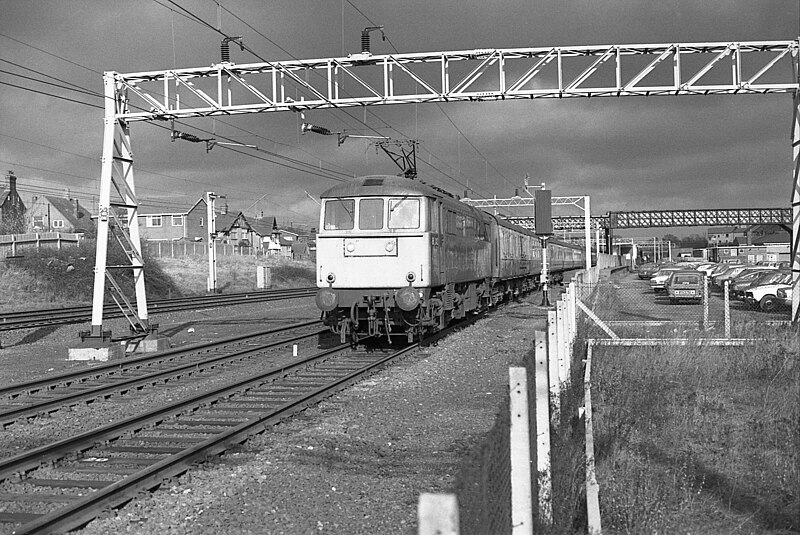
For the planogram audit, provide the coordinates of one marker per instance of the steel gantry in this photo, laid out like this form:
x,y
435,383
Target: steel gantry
x,y
705,68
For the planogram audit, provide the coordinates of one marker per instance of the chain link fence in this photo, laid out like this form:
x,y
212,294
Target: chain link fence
x,y
626,306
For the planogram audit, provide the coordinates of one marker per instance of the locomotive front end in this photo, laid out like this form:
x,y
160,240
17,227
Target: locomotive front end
x,y
373,259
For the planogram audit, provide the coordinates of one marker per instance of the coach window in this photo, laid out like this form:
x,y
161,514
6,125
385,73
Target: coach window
x,y
404,213
339,214
370,214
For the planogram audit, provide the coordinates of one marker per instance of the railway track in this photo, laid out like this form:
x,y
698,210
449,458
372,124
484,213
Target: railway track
x,y
57,316
26,401
64,485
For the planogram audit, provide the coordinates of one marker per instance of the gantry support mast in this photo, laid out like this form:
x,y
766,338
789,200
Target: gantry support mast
x,y
716,68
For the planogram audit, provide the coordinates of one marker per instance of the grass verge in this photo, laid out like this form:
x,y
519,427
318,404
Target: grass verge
x,y
699,439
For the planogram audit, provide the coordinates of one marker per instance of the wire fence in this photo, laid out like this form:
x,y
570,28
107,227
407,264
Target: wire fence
x,y
628,307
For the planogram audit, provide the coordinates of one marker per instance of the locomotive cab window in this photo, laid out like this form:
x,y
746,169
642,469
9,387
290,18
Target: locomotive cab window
x,y
339,214
370,214
404,213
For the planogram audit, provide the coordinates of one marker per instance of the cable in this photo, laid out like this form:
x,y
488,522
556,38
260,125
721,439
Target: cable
x,y
276,155
293,57
439,106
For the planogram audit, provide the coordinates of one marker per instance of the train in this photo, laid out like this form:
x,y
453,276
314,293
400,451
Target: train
x,y
398,257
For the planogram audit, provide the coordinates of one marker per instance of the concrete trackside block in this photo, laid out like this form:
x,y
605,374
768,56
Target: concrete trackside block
x,y
437,514
152,344
109,352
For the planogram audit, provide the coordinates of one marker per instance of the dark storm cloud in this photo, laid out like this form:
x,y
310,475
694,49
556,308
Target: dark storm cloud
x,y
629,153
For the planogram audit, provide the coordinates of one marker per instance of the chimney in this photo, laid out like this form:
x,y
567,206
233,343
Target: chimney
x,y
12,182
77,209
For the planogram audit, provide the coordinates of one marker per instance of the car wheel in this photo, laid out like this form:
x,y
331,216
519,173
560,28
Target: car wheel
x,y
768,303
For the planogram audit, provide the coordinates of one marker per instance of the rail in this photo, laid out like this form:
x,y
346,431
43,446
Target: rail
x,y
269,396
66,315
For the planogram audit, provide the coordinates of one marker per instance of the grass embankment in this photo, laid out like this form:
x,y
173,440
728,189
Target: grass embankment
x,y
699,439
54,278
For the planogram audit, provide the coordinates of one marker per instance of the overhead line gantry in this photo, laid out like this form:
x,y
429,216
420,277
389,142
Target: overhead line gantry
x,y
479,75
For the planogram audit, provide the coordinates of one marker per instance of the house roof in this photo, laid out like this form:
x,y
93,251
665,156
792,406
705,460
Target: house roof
x,y
777,237
76,215
162,210
263,226
722,230
225,222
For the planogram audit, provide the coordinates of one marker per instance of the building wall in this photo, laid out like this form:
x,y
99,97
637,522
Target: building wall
x,y
162,226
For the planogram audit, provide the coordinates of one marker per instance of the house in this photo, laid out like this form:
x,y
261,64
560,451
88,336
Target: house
x,y
12,209
725,235
162,223
263,230
761,234
59,214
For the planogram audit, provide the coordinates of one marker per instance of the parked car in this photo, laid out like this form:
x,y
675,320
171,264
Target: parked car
x,y
720,278
685,285
748,278
659,280
784,295
765,296
706,267
645,271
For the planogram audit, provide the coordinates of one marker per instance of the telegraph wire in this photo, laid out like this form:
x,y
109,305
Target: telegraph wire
x,y
293,160
52,95
51,76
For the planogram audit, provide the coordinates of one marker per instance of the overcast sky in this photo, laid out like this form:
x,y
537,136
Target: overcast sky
x,y
626,153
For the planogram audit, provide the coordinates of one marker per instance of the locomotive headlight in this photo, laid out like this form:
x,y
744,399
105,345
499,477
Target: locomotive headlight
x,y
407,298
410,277
326,299
350,247
331,278
389,246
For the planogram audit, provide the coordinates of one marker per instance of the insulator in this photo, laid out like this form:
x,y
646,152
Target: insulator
x,y
188,137
225,50
316,129
365,41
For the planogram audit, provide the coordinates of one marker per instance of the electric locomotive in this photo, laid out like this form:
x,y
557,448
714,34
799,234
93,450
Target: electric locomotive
x,y
398,257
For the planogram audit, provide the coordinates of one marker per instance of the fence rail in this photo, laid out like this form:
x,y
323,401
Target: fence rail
x,y
12,244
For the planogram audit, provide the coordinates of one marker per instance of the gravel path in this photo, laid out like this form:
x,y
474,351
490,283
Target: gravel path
x,y
357,462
